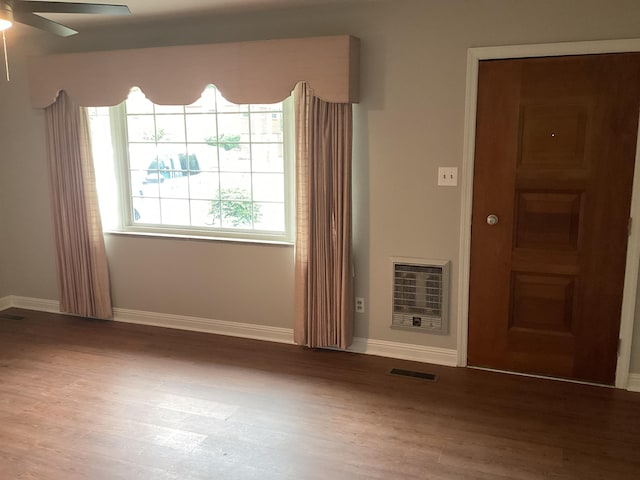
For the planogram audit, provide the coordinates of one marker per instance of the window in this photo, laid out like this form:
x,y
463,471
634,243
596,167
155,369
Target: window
x,y
212,168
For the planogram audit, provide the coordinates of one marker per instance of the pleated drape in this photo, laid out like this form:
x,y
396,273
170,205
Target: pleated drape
x,y
83,274
324,309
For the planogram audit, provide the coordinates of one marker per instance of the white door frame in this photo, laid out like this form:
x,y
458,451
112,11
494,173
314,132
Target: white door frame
x,y
474,56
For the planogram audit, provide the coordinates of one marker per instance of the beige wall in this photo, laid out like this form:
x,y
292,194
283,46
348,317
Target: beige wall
x,y
410,121
5,159
4,202
28,266
4,263
236,282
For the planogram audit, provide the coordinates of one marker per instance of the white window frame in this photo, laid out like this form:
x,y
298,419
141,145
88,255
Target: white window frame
x,y
126,223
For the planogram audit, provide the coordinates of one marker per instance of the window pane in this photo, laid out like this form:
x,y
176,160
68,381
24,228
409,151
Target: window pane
x,y
237,159
201,128
169,109
271,217
236,214
233,128
141,155
236,186
138,103
148,186
189,163
206,156
146,210
266,107
175,212
170,128
267,157
266,127
137,178
169,155
176,186
141,128
268,187
201,213
204,186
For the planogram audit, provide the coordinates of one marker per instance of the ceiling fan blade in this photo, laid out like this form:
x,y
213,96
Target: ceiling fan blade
x,y
43,24
66,7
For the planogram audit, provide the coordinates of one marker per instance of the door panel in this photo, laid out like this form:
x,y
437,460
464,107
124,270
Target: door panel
x,y
555,153
547,220
542,303
552,136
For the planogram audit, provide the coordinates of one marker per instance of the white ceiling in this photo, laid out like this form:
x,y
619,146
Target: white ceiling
x,y
146,10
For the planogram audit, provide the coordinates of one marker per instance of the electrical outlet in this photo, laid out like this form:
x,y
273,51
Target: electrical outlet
x,y
359,305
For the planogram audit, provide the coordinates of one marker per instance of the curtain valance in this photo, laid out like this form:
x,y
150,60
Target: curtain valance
x,y
245,72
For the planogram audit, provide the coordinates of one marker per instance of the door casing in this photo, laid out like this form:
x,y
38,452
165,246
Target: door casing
x,y
474,56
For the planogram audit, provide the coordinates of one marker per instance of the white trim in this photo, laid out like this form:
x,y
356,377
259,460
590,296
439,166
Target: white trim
x,y
466,185
474,55
401,351
178,322
284,335
634,382
205,325
38,304
5,302
630,290
404,351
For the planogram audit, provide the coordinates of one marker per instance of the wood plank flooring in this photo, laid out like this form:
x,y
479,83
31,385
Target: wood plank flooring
x,y
91,400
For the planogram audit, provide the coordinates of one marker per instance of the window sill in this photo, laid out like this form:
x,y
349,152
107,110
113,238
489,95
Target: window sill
x,y
176,236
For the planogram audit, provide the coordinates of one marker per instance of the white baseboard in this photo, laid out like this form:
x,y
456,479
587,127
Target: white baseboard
x,y
196,324
405,351
282,335
5,302
402,351
37,304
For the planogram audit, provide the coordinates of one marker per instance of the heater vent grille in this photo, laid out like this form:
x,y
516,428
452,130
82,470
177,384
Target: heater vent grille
x,y
420,295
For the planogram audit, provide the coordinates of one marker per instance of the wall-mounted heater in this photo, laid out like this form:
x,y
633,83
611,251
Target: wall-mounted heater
x,y
421,295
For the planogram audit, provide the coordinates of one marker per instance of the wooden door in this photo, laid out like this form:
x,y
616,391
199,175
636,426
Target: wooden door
x,y
555,154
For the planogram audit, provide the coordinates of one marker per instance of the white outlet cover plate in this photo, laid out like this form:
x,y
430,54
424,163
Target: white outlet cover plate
x,y
448,176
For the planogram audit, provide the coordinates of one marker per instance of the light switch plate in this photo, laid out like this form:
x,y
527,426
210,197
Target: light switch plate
x,y
448,176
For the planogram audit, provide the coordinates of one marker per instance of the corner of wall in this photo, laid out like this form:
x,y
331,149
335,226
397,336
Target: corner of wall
x,y
6,302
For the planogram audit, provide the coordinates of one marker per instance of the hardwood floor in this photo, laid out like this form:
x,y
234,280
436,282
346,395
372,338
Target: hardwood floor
x,y
82,399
